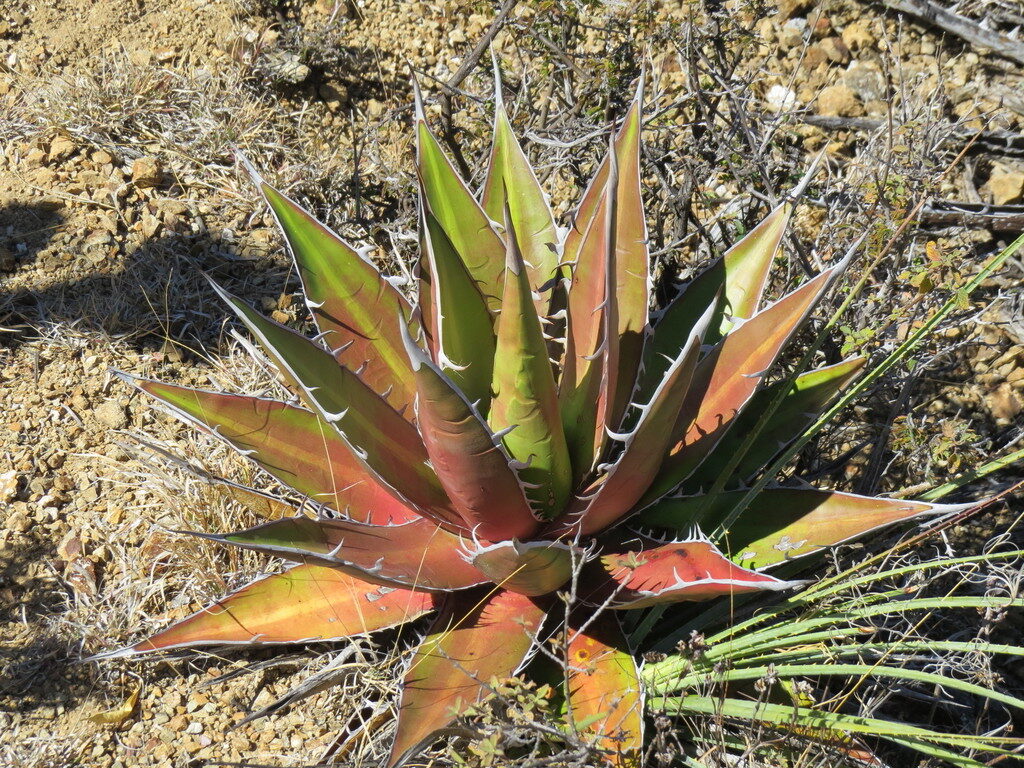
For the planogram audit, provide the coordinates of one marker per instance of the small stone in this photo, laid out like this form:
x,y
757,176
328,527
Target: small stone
x,y
111,415
146,172
790,8
857,36
279,316
8,486
836,50
792,32
866,81
814,57
821,27
780,99
839,101
101,157
61,148
1006,185
1005,404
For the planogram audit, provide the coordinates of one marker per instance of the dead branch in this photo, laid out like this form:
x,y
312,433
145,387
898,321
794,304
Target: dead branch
x,y
964,28
998,218
1005,143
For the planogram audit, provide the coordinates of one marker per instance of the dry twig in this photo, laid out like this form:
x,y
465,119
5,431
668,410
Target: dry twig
x,y
962,27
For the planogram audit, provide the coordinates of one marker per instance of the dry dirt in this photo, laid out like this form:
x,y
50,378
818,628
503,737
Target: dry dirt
x,y
117,184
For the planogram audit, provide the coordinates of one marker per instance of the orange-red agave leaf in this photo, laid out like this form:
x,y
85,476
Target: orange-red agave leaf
x,y
468,457
529,568
290,443
525,401
605,692
478,636
591,380
810,393
415,555
734,284
783,523
379,438
302,604
355,308
642,572
727,378
632,272
614,494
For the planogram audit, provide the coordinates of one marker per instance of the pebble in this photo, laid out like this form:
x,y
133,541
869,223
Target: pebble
x,y
146,172
839,101
1006,185
780,98
111,414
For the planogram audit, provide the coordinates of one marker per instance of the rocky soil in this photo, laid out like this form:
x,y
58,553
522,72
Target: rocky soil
x,y
117,184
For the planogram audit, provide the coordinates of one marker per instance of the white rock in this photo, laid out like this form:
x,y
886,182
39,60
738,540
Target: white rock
x,y
781,99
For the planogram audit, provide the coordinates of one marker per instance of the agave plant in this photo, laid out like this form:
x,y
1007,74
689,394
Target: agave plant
x,y
518,447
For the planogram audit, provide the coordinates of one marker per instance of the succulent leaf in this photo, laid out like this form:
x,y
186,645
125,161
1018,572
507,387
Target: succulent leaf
x,y
292,444
530,568
477,637
726,379
379,438
642,572
784,523
463,337
468,457
632,272
604,689
459,214
810,393
590,383
416,555
525,400
615,493
353,305
302,604
734,283
512,183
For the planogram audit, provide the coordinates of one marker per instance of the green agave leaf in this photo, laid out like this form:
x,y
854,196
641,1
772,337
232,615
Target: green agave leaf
x,y
727,378
525,400
302,604
460,215
469,459
640,572
531,568
512,183
416,555
290,443
355,308
476,638
615,494
463,337
604,689
734,284
785,523
387,445
810,393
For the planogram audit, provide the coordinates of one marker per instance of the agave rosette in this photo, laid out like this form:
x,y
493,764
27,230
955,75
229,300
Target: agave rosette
x,y
523,428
